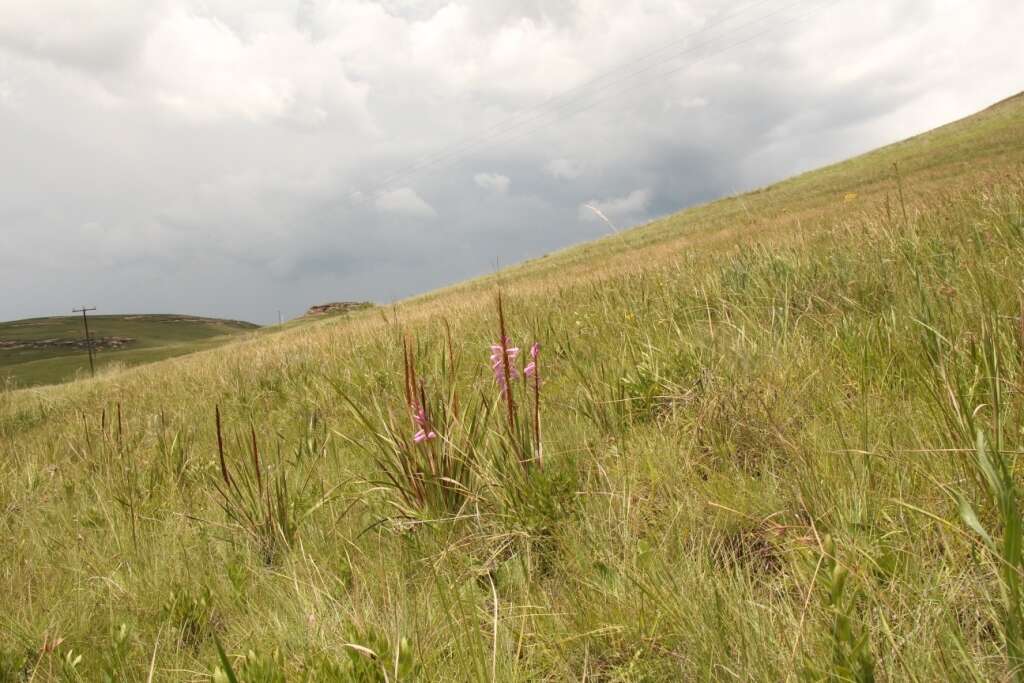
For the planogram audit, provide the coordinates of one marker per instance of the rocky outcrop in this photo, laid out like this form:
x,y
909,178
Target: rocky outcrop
x,y
337,307
98,343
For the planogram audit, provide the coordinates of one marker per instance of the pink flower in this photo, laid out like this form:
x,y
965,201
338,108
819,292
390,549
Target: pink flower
x,y
424,435
531,369
419,416
499,353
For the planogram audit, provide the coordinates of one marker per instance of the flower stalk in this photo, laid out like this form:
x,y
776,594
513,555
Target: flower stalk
x,y
504,358
532,371
501,362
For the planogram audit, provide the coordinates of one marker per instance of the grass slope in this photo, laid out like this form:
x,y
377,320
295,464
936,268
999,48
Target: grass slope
x,y
154,337
779,435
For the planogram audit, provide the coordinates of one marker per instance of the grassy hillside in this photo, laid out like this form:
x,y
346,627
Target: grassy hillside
x,y
770,438
51,350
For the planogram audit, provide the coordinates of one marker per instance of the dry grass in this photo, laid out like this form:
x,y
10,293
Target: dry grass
x,y
761,462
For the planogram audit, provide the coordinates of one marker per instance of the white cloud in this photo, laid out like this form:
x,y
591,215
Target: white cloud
x,y
204,68
495,182
632,205
404,201
564,169
89,35
687,102
244,142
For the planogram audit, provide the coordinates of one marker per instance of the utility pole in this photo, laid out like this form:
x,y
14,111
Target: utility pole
x,y
88,339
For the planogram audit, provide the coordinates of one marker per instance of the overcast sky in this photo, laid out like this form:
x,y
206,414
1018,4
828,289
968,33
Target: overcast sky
x,y
236,157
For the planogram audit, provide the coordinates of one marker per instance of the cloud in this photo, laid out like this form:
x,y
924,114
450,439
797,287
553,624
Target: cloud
x,y
494,182
632,205
404,201
239,156
563,169
87,35
203,68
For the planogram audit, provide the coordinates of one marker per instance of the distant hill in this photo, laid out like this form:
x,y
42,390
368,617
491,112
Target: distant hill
x,y
51,350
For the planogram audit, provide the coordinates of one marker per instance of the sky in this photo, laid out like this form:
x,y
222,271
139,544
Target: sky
x,y
236,158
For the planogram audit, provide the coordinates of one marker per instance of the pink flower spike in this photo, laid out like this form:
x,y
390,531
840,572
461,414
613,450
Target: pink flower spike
x,y
424,435
498,357
420,417
499,353
535,350
530,369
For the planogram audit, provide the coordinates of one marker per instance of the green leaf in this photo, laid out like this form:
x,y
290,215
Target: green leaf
x,y
228,670
970,518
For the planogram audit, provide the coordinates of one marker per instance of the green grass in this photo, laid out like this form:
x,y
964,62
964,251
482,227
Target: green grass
x,y
155,337
780,438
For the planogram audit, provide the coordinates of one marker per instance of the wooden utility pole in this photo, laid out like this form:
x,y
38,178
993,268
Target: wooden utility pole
x,y
88,339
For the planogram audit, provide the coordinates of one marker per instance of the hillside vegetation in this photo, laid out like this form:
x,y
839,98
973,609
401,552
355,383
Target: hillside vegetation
x,y
50,350
770,438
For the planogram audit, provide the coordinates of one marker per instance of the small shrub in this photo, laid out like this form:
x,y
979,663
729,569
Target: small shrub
x,y
191,614
269,502
851,657
16,665
1004,543
427,463
370,659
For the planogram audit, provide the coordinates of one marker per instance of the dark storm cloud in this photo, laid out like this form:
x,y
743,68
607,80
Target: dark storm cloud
x,y
230,158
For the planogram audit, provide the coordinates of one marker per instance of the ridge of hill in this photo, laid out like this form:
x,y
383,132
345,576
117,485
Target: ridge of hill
x,y
986,142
